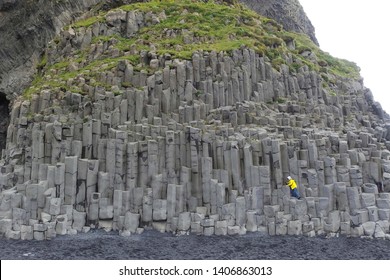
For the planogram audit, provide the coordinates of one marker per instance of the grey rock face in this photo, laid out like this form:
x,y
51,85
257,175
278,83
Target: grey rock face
x,y
4,120
26,27
201,146
288,13
22,41
8,4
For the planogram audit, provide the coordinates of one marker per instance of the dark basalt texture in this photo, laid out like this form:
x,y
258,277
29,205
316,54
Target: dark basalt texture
x,y
98,245
289,13
27,26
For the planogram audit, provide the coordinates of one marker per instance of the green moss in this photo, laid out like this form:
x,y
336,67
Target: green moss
x,y
42,63
88,22
211,25
191,26
127,85
60,65
277,62
325,78
332,92
336,66
294,67
340,67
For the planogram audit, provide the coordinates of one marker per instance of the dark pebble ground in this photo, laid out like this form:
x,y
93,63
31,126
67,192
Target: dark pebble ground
x,y
100,245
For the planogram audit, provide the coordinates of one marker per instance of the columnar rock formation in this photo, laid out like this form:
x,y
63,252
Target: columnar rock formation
x,y
201,146
27,26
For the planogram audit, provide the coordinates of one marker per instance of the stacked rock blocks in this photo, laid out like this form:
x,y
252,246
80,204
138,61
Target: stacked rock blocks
x,y
201,146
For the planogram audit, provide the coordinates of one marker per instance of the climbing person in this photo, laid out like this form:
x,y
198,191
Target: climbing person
x,y
293,187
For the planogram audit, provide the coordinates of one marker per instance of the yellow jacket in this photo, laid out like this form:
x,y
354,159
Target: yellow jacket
x,y
292,184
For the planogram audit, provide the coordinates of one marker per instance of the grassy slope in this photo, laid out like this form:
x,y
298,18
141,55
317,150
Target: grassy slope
x,y
215,27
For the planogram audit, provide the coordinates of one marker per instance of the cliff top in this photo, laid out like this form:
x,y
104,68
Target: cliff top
x,y
26,28
180,28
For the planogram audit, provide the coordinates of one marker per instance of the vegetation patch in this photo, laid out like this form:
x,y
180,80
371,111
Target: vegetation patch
x,y
89,21
187,26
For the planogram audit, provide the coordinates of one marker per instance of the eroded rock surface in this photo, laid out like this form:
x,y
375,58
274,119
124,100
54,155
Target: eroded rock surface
x,y
120,138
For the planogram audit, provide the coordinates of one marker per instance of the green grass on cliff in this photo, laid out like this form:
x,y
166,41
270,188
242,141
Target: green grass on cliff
x,y
189,26
324,61
206,26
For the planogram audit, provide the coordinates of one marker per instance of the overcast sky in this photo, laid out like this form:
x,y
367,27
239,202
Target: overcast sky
x,y
357,30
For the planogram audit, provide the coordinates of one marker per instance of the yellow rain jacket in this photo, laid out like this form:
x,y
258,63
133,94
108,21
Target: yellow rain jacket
x,y
292,184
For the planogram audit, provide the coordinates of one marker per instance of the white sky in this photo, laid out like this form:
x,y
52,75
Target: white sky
x,y
356,30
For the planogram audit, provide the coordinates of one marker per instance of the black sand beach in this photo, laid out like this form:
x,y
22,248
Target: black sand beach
x,y
101,245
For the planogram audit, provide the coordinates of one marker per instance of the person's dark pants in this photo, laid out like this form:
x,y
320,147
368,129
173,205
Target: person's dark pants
x,y
294,193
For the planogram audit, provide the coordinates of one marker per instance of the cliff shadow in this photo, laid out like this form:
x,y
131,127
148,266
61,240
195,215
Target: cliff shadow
x,y
4,119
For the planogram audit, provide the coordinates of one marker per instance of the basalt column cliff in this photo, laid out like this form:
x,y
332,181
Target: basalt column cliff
x,y
187,116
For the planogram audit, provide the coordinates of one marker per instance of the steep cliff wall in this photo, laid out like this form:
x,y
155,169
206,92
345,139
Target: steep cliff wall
x,y
289,13
25,29
27,26
137,122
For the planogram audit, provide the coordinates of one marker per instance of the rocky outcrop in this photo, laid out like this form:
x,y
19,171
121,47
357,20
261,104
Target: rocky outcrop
x,y
201,145
289,13
26,27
